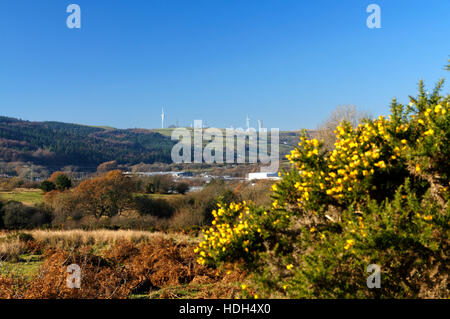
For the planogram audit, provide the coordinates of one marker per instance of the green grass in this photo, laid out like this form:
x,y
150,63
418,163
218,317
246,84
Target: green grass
x,y
181,291
165,196
186,291
165,131
27,267
105,127
27,197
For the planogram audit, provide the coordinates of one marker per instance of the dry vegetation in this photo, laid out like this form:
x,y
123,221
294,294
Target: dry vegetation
x,y
114,264
77,238
102,225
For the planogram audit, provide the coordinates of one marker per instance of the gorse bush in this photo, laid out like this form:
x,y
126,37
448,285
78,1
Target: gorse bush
x,y
379,197
233,231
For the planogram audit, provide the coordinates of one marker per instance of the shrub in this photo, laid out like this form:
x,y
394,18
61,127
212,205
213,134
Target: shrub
x,y
404,236
156,207
149,188
25,237
181,188
103,196
214,193
11,183
258,193
64,205
232,234
348,113
162,184
42,216
47,186
63,182
11,250
16,215
1,215
186,218
54,176
379,197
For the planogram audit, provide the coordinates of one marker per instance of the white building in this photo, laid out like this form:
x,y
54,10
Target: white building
x,y
263,175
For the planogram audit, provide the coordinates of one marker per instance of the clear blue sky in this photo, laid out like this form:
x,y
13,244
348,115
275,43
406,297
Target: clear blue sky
x,y
287,62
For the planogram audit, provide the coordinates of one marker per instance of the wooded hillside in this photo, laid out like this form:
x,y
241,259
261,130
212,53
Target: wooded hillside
x,y
59,144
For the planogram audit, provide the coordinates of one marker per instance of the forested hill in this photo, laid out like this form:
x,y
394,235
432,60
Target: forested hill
x,y
60,144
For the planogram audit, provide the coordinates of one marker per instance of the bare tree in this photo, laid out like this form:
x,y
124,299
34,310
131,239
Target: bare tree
x,y
349,113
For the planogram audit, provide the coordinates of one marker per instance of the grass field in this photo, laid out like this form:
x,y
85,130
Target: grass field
x,y
164,196
26,267
26,196
32,197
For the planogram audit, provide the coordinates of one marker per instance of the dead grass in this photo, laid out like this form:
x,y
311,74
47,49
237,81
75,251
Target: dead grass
x,y
78,238
12,250
12,246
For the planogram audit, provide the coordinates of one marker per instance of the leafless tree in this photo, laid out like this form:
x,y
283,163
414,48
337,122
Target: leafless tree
x,y
349,113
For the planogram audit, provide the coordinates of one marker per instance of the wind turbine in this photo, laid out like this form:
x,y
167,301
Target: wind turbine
x,y
162,118
260,125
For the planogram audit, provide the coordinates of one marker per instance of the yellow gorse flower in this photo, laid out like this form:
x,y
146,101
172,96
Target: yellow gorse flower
x,y
340,175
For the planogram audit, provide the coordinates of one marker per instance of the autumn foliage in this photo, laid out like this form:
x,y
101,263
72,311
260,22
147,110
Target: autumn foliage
x,y
124,269
103,196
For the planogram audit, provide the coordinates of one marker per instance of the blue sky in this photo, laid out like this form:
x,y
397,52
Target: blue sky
x,y
287,62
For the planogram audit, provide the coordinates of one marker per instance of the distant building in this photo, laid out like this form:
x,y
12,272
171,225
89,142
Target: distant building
x,y
263,175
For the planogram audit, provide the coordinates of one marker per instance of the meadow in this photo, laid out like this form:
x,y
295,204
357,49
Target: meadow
x,y
26,196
